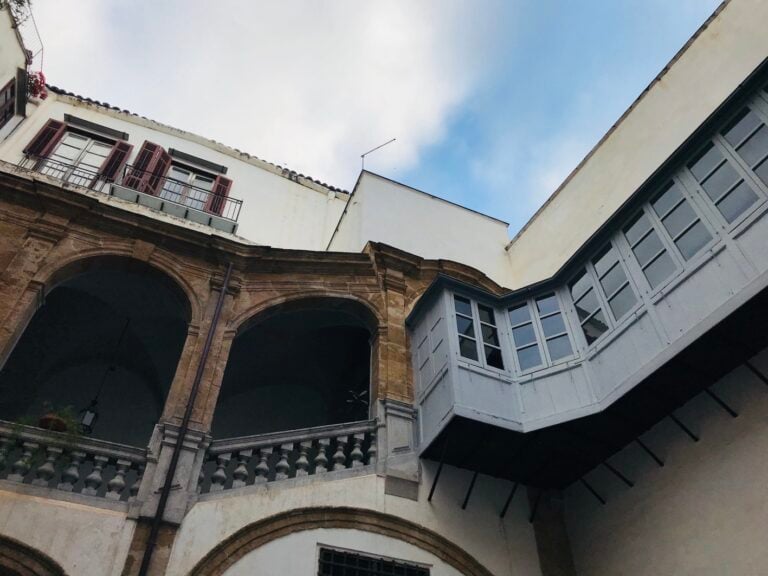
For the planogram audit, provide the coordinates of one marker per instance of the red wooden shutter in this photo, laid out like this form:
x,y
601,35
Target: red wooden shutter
x,y
218,196
46,139
114,162
150,166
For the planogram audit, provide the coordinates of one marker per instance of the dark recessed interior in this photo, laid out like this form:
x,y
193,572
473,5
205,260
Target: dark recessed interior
x,y
300,367
116,326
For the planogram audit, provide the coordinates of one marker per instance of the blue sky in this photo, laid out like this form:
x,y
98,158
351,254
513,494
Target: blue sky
x,y
492,102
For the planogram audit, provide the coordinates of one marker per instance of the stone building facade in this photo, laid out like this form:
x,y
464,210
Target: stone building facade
x,y
267,375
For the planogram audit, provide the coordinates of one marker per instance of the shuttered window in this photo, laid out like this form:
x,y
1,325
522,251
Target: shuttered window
x,y
149,169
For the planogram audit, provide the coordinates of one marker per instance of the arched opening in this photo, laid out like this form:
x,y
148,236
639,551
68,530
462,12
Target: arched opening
x,y
301,364
18,559
107,339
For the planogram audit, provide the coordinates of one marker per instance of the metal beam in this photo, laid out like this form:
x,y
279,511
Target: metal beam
x,y
439,470
721,403
618,474
762,377
469,490
683,427
535,505
509,500
592,491
650,453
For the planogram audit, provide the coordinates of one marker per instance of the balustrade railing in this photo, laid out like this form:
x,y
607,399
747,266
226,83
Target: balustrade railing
x,y
30,455
244,461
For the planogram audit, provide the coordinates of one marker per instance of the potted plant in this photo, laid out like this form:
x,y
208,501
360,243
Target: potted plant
x,y
59,419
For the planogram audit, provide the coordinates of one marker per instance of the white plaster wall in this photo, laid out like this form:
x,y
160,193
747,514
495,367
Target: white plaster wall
x,y
11,53
84,540
297,554
704,513
506,547
276,211
385,211
733,45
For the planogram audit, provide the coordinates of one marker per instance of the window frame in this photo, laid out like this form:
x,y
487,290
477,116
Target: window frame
x,y
185,187
478,338
538,330
74,164
416,568
9,105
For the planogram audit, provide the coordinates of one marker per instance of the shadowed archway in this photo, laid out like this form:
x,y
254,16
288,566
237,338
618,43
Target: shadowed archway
x,y
110,330
18,559
299,364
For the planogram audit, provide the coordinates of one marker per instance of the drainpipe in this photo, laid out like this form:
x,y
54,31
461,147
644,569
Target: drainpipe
x,y
166,490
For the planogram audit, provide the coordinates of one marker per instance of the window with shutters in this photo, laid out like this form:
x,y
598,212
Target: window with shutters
x,y
7,102
333,562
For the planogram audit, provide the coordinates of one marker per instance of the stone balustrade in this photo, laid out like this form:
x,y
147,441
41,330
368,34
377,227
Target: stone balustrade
x,y
248,460
80,465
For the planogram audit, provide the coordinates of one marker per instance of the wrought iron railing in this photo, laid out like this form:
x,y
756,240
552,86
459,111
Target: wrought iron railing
x,y
168,189
30,455
239,462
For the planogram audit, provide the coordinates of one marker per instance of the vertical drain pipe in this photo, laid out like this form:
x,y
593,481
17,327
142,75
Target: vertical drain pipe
x,y
166,490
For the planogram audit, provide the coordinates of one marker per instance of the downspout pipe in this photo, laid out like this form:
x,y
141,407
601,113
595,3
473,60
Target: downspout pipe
x,y
166,490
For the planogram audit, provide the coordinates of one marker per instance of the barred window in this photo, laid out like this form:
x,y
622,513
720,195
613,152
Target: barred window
x,y
342,563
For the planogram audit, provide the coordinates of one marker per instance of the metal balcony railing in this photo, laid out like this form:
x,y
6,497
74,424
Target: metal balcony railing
x,y
181,194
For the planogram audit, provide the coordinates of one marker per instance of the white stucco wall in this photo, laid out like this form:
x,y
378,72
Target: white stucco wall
x,y
712,67
83,540
382,210
704,513
11,53
276,211
297,554
506,547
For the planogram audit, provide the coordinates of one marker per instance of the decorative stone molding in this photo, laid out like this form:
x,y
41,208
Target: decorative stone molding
x,y
22,560
255,535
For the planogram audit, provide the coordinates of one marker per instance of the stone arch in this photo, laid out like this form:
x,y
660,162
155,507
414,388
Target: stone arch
x,y
259,533
54,273
18,559
364,309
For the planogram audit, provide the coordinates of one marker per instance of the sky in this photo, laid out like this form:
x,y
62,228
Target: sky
x,y
492,102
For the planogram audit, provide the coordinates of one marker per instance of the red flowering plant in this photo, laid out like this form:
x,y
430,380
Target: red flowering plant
x,y
36,85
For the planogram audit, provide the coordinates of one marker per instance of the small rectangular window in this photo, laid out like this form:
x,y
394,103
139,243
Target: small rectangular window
x,y
524,337
491,344
722,183
553,328
7,102
342,563
466,327
591,315
614,282
680,221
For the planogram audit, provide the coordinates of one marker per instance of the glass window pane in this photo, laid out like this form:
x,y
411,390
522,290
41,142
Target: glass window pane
x,y
465,326
553,325
605,260
519,315
587,304
462,306
613,280
743,124
679,218
559,347
756,148
467,348
524,335
493,357
547,305
594,327
668,198
705,161
489,334
659,270
202,182
622,302
529,357
580,284
722,179
762,171
648,248
693,240
635,229
486,314
737,201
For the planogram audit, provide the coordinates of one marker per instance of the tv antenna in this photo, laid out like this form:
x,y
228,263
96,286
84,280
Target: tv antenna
x,y
362,156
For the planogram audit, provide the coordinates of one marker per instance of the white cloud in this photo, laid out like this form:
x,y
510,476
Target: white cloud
x,y
308,84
